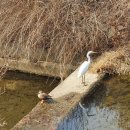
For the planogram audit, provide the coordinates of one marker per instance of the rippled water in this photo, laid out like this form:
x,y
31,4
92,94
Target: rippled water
x,y
105,108
20,95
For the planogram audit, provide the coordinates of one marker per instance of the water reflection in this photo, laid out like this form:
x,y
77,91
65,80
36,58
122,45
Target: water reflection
x,y
20,95
105,108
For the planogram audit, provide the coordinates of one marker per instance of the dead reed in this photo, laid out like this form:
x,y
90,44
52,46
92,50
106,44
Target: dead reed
x,y
62,31
114,62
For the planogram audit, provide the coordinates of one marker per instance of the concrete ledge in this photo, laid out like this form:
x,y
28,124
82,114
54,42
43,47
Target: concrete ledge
x,y
40,68
47,116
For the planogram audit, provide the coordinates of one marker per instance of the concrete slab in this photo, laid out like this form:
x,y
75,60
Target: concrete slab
x,y
66,95
40,68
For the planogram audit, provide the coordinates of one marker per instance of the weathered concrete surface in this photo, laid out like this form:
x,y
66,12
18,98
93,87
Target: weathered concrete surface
x,y
66,95
40,68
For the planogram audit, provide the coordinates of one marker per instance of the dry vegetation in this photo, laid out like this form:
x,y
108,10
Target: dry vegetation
x,y
114,62
2,124
63,31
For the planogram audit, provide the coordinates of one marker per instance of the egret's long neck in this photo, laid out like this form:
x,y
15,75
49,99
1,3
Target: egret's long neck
x,y
89,60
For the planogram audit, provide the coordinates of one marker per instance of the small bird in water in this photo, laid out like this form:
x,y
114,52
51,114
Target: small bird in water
x,y
43,96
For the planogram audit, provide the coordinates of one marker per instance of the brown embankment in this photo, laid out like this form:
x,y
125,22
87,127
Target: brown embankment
x,y
63,31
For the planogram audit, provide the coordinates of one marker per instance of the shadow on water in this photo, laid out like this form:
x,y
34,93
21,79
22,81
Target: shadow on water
x,y
21,95
107,107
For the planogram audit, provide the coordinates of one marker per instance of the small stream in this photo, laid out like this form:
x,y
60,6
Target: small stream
x,y
20,95
106,108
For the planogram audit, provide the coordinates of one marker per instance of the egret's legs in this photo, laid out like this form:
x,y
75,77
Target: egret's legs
x,y
83,80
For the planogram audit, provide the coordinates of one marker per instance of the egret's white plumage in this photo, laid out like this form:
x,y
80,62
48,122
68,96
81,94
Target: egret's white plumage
x,y
84,66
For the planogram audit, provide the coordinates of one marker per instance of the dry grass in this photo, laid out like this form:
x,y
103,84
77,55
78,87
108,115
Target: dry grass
x,y
61,31
2,124
114,62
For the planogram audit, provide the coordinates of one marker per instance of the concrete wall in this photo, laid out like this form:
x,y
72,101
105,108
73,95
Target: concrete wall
x,y
40,68
65,96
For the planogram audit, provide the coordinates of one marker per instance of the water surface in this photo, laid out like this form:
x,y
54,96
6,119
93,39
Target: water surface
x,y
21,95
106,108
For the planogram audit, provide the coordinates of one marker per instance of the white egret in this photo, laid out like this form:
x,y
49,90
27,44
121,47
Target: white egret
x,y
84,67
